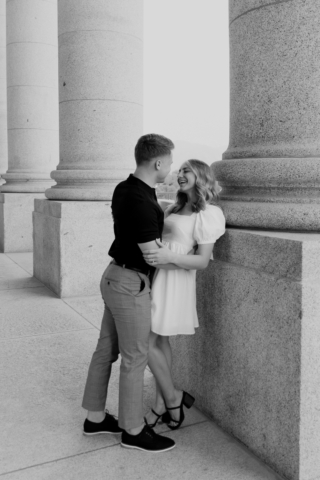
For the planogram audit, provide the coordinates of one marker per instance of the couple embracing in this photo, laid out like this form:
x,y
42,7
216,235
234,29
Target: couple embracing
x,y
149,293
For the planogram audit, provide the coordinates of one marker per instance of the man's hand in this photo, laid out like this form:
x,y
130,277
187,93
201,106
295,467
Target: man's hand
x,y
162,256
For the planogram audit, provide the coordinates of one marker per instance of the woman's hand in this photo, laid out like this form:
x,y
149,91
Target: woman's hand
x,y
161,256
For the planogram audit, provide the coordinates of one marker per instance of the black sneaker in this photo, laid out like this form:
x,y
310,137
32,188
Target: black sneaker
x,y
147,440
108,425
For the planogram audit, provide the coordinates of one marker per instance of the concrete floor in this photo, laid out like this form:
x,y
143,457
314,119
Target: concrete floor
x,y
45,347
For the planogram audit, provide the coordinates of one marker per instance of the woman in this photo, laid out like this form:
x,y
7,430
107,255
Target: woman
x,y
191,227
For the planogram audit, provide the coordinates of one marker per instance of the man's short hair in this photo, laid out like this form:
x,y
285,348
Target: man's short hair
x,y
152,146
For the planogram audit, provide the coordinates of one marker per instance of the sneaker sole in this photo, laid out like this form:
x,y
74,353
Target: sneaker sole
x,y
98,433
146,450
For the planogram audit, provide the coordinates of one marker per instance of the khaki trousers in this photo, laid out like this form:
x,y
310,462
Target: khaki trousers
x,y
125,329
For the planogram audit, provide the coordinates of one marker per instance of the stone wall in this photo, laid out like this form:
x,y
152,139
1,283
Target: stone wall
x,y
254,362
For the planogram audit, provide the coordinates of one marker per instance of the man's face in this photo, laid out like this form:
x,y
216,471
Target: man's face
x,y
165,163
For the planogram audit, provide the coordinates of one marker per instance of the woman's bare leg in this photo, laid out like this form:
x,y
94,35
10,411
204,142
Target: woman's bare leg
x,y
160,360
159,405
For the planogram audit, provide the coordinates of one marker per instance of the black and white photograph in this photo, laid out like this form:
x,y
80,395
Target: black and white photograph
x,y
160,239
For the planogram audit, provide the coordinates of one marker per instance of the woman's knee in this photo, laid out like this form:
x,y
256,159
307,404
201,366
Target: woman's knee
x,y
163,341
153,341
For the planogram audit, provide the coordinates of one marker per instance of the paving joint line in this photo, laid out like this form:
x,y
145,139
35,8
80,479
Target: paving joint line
x,y
44,286
18,263
21,288
87,452
44,334
57,460
81,315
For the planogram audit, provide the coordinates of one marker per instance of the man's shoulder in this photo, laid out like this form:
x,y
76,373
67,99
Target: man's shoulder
x,y
130,189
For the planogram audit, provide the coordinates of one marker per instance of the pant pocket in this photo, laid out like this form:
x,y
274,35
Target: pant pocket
x,y
126,288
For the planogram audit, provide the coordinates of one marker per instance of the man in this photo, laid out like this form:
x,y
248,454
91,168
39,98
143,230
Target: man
x,y
125,287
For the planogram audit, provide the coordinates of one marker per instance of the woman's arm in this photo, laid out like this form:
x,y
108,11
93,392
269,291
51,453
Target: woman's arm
x,y
151,246
163,256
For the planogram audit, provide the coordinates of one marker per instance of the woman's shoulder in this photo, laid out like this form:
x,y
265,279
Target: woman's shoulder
x,y
210,224
212,212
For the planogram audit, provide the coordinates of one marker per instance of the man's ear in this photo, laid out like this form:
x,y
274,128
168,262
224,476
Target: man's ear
x,y
157,164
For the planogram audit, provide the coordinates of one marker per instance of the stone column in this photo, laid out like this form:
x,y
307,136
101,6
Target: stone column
x,y
254,363
3,93
100,91
271,170
32,85
100,96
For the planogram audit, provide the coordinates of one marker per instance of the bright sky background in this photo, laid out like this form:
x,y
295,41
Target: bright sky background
x,y
186,78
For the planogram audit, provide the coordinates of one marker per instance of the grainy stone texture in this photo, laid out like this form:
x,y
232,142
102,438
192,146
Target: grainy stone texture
x,y
43,367
100,90
279,216
71,244
13,277
254,362
39,313
273,112
16,221
246,7
3,93
23,259
203,452
274,147
32,74
89,307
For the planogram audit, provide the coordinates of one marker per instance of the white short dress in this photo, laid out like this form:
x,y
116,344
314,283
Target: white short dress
x,y
173,294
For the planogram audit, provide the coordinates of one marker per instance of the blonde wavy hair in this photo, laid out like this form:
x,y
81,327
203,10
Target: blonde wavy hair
x,y
205,188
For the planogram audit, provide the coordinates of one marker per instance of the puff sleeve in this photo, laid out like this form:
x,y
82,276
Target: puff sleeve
x,y
210,225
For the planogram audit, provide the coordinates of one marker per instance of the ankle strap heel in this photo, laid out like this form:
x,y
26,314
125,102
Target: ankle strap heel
x,y
187,401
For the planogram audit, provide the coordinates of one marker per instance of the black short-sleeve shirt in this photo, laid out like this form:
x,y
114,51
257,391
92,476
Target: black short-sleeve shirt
x,y
137,218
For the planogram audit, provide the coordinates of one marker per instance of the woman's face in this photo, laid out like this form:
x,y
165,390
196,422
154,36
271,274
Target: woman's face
x,y
186,178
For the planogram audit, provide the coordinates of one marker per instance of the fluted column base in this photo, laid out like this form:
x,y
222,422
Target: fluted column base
x,y
85,184
26,182
270,193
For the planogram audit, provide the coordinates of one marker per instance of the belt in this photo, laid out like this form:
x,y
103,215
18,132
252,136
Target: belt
x,y
145,271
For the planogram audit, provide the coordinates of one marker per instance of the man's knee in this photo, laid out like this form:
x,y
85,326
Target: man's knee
x,y
134,362
106,351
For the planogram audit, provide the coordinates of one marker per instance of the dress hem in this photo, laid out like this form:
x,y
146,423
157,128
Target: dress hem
x,y
174,334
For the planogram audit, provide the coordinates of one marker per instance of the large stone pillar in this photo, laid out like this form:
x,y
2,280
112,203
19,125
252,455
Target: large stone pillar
x,y
100,92
270,173
3,93
254,362
100,96
32,85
